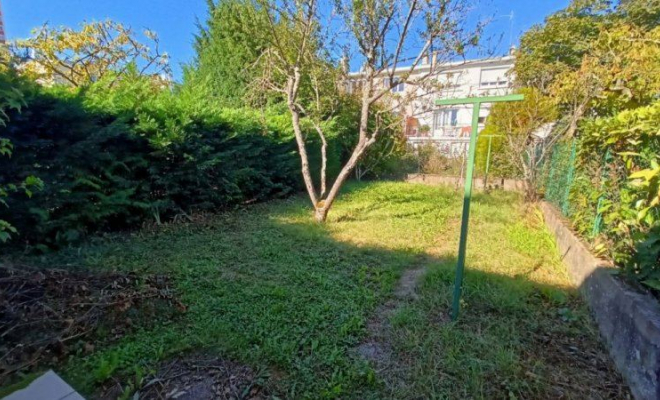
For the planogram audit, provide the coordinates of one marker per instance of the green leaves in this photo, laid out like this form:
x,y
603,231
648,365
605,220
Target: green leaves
x,y
226,49
645,175
628,189
5,147
595,59
11,98
107,160
6,230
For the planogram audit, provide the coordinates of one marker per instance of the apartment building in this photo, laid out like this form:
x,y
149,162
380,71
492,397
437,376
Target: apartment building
x,y
448,127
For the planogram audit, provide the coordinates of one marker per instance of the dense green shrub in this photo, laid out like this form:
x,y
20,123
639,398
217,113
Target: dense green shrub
x,y
598,62
499,164
623,188
110,159
11,98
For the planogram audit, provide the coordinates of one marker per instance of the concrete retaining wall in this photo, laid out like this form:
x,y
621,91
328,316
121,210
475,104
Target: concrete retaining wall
x,y
628,320
457,181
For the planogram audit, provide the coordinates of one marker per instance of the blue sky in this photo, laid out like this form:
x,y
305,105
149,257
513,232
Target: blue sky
x,y
175,20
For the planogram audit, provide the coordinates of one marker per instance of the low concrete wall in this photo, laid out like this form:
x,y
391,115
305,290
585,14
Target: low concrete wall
x,y
629,321
457,181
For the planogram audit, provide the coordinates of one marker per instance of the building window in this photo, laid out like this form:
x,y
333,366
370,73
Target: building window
x,y
492,78
450,80
398,86
482,120
444,118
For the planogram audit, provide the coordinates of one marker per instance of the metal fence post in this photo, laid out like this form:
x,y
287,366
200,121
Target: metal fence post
x,y
569,179
603,176
490,142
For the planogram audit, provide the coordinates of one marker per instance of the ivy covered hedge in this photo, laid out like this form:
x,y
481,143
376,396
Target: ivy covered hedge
x,y
112,159
616,195
597,62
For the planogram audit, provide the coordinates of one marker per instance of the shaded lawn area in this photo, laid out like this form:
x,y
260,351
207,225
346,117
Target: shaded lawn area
x,y
269,288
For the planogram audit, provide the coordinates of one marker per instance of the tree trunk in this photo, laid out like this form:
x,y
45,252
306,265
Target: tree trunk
x,y
304,160
530,176
323,207
530,191
321,214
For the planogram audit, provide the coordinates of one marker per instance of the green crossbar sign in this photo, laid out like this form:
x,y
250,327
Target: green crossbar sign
x,y
476,106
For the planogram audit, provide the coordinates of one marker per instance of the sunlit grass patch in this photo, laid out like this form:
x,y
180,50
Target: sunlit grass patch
x,y
270,288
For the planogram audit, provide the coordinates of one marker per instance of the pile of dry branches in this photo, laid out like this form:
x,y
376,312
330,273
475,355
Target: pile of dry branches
x,y
47,314
198,376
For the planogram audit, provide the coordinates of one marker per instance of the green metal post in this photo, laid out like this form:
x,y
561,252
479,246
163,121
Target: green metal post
x,y
462,244
490,142
550,194
569,180
603,177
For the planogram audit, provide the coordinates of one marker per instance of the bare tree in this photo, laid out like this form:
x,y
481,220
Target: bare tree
x,y
382,35
530,133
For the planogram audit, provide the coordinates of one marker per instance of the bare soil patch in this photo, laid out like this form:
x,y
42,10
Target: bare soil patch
x,y
574,360
47,314
376,348
199,378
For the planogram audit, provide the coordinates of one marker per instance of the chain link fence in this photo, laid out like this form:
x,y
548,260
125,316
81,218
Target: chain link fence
x,y
563,180
558,175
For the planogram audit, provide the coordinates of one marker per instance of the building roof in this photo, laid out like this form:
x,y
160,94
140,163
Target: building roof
x,y
448,66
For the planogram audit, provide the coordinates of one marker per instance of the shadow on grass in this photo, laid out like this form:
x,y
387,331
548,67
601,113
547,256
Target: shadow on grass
x,y
273,290
514,337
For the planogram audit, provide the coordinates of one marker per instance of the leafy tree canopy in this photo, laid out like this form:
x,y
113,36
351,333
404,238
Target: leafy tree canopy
x,y
226,48
81,57
559,44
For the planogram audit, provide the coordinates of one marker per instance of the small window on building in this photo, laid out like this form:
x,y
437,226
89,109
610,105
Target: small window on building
x,y
398,86
482,120
492,78
446,118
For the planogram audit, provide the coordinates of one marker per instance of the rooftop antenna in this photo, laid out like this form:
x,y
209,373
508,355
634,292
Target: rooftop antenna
x,y
3,38
510,16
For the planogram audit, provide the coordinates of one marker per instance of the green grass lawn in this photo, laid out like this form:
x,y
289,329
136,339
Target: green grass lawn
x,y
269,288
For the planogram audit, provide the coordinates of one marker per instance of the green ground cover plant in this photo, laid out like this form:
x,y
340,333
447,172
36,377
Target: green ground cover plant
x,y
594,66
294,300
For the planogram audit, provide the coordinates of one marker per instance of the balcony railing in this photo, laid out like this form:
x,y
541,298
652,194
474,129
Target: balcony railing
x,y
441,133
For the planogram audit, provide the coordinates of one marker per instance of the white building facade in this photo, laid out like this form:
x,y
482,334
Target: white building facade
x,y
447,127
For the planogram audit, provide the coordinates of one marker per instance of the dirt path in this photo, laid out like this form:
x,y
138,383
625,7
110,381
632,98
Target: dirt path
x,y
376,348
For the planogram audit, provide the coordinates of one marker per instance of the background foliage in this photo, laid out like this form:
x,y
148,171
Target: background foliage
x,y
120,146
11,98
226,49
112,161
598,62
